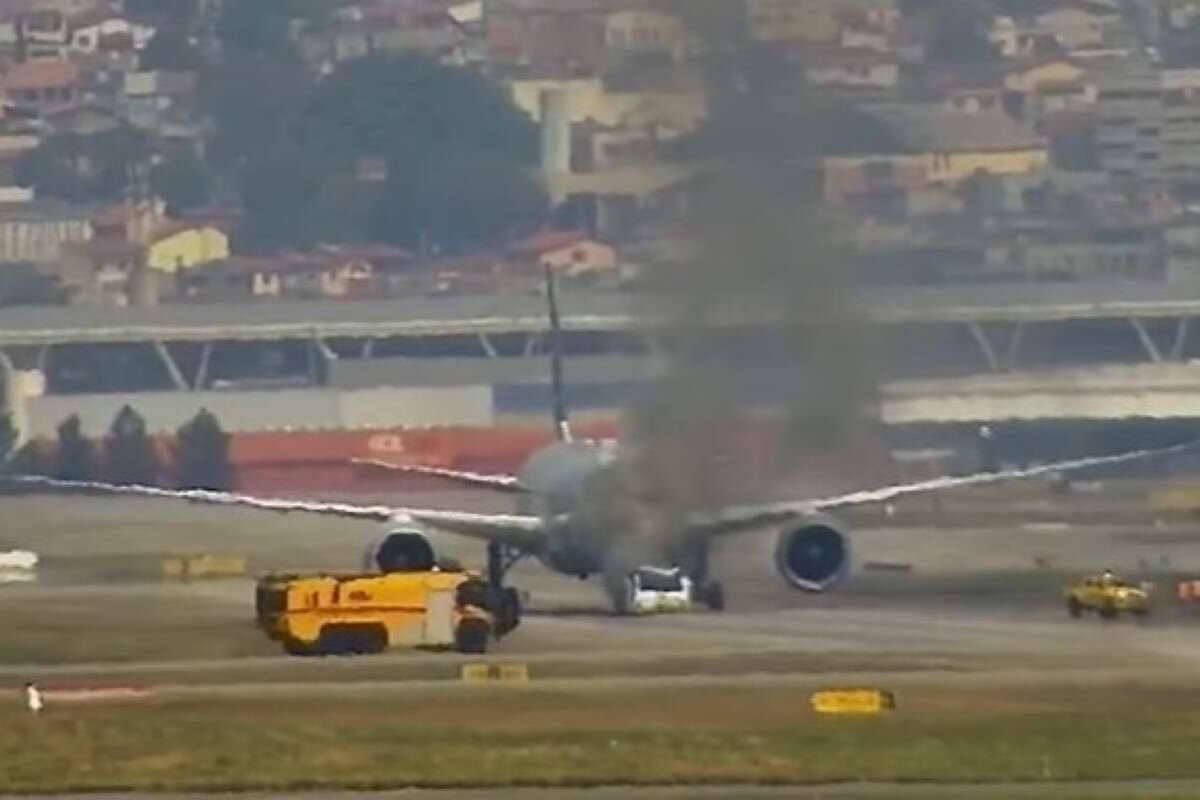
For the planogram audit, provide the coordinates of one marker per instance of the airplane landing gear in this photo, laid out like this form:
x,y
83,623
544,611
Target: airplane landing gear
x,y
711,594
504,602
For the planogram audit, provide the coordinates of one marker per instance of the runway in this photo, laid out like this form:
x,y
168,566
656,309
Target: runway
x,y
975,596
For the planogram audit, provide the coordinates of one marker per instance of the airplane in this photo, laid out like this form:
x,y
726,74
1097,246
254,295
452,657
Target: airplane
x,y
565,503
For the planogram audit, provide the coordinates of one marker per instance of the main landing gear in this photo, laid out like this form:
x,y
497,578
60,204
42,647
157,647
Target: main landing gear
x,y
504,602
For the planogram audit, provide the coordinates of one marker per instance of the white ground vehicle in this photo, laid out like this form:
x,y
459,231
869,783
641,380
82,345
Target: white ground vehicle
x,y
655,590
18,566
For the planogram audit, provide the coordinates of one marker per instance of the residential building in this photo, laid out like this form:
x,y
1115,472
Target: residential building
x,y
645,31
152,98
180,246
37,231
287,275
1052,87
853,70
99,272
549,39
1076,28
1145,130
43,85
103,31
43,33
658,115
1095,254
957,145
880,181
816,21
572,253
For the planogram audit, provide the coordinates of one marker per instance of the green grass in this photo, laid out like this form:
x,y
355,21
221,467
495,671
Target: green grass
x,y
368,738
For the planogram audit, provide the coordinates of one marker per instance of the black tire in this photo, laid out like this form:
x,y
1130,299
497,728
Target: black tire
x,y
472,593
376,639
295,647
714,596
1108,611
329,641
1074,608
1141,613
508,616
471,636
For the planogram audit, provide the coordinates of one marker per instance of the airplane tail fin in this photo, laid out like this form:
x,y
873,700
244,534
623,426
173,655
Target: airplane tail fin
x,y
562,426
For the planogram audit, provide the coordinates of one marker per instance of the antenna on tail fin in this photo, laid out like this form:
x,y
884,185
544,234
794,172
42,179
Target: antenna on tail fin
x,y
562,427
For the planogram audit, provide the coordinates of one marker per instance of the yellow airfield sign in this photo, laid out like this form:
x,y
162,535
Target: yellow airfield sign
x,y
853,701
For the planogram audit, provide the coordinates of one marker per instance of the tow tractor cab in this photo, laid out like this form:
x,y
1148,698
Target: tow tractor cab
x,y
411,601
657,590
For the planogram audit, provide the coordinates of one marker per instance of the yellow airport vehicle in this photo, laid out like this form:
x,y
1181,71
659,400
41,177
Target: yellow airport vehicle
x,y
1107,595
416,605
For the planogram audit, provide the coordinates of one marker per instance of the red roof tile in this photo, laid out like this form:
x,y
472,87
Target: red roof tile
x,y
41,75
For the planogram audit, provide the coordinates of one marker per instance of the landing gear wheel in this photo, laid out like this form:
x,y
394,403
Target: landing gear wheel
x,y
1074,608
713,596
508,616
471,636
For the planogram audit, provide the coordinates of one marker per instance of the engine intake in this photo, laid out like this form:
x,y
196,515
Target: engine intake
x,y
400,551
814,555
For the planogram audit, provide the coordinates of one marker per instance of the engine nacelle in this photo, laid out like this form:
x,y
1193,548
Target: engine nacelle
x,y
813,555
401,550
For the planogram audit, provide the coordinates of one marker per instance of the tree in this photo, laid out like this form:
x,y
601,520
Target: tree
x,y
251,122
170,49
254,26
410,105
276,193
182,181
202,457
131,457
473,201
174,10
82,168
343,209
264,27
76,457
957,31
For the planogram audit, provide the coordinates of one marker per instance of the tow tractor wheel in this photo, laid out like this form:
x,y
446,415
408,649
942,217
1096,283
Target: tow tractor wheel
x,y
1108,611
471,636
1074,608
343,640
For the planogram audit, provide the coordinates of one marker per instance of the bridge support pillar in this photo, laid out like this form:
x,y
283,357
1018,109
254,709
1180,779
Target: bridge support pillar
x,y
1181,333
985,346
172,368
1148,343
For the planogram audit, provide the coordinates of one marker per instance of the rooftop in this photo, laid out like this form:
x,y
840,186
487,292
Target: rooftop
x,y
921,127
48,74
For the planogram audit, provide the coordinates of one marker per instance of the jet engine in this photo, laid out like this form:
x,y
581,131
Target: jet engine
x,y
400,550
813,555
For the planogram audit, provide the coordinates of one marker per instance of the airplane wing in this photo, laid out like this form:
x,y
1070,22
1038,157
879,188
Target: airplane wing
x,y
520,531
738,518
480,480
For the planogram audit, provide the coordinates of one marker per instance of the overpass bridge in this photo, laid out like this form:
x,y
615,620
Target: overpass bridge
x,y
958,353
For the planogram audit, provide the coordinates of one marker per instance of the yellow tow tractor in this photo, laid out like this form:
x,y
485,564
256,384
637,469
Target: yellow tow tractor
x,y
1107,595
410,602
